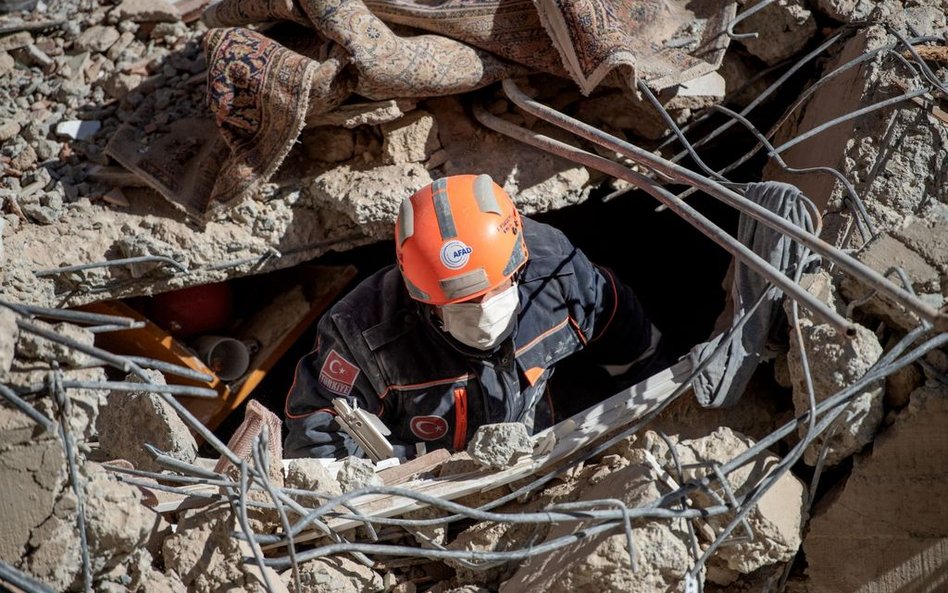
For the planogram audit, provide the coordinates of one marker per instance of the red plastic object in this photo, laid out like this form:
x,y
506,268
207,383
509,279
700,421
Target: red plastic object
x,y
194,310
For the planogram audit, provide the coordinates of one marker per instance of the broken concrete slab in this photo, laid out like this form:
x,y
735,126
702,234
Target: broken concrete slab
x,y
156,423
370,198
428,536
536,180
900,385
9,333
622,111
33,347
330,145
876,532
97,38
311,474
202,550
844,11
54,554
835,362
353,115
117,522
338,574
488,536
776,520
233,245
601,563
498,446
698,93
783,28
410,139
144,11
33,472
884,253
355,473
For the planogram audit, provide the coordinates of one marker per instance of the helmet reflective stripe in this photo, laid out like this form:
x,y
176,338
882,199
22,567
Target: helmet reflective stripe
x,y
406,220
414,291
517,257
484,194
442,208
465,284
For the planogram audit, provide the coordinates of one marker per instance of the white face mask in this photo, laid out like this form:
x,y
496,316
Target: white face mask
x,y
485,324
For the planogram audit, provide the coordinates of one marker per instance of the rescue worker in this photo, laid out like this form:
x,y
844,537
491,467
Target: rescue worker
x,y
465,330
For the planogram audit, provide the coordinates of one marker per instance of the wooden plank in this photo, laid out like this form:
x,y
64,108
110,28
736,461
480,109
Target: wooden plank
x,y
400,474
320,285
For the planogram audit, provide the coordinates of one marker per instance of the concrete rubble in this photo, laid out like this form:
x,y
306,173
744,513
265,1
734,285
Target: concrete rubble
x,y
874,526
834,361
155,423
877,530
499,445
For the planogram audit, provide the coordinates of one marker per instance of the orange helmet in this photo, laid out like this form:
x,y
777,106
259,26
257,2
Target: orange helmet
x,y
458,238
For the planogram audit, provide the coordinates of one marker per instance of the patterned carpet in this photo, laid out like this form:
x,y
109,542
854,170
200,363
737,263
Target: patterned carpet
x,y
264,80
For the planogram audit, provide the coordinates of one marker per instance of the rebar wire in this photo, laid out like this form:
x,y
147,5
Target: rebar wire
x,y
261,460
670,123
862,219
21,580
806,94
546,516
69,315
684,210
47,423
843,260
161,259
126,365
762,4
852,115
760,98
245,525
102,329
626,521
832,415
866,226
130,386
926,71
58,393
170,368
694,548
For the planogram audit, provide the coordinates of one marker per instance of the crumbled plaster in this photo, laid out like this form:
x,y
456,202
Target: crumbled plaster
x,y
878,530
835,361
156,423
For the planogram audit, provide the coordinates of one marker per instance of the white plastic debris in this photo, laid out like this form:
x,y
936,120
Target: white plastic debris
x,y
78,129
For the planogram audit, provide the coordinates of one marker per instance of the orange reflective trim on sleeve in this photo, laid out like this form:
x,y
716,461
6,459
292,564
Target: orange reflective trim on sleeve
x,y
533,374
464,377
460,418
540,338
579,331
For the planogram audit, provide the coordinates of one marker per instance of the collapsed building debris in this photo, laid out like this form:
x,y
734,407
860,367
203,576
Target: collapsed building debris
x,y
645,491
864,537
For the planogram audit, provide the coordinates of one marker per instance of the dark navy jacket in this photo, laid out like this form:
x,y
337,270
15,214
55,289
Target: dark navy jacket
x,y
386,351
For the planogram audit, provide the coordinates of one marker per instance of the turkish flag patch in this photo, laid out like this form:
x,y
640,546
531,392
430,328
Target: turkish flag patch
x,y
428,428
338,375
